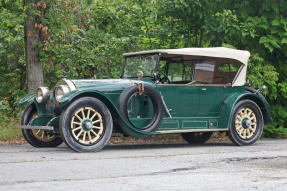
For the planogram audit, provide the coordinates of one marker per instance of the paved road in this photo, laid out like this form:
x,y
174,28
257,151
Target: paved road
x,y
214,166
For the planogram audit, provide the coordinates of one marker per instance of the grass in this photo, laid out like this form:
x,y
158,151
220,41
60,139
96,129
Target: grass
x,y
7,133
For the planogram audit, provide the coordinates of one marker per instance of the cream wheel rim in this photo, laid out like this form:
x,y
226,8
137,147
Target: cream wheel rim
x,y
87,125
246,123
43,135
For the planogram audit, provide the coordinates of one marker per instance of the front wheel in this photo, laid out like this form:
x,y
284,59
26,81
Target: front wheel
x,y
86,125
247,123
196,138
38,137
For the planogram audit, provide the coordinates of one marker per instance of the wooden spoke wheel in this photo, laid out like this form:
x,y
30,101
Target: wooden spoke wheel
x,y
43,135
86,125
247,123
38,137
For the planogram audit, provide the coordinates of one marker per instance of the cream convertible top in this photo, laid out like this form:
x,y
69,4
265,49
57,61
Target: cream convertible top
x,y
241,56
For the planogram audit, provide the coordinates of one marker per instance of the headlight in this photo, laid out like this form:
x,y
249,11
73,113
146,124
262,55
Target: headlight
x,y
42,94
60,91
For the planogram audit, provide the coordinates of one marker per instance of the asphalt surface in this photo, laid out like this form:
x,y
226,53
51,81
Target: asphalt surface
x,y
214,166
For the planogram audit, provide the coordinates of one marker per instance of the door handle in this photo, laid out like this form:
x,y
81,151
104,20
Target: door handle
x,y
203,89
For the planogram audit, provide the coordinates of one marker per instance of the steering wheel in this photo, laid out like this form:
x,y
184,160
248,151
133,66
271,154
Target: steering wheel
x,y
164,78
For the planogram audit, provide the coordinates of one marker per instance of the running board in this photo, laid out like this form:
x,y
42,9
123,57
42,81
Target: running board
x,y
51,128
191,130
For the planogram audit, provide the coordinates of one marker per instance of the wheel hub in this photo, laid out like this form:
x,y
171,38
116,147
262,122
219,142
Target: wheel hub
x,y
87,125
246,123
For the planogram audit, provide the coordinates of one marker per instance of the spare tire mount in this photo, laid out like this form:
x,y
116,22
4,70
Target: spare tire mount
x,y
154,96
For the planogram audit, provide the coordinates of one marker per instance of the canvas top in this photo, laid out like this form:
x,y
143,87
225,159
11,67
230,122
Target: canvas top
x,y
215,52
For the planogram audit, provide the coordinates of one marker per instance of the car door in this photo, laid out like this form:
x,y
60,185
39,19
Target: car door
x,y
181,98
210,100
213,87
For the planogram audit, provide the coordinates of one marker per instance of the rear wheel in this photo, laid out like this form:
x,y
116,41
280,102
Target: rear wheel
x,y
37,137
196,138
86,125
247,123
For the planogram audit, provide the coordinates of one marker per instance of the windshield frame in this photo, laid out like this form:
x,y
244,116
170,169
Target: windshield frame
x,y
155,70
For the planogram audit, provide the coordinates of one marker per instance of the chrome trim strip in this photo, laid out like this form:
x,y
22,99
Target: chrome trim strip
x,y
191,130
33,127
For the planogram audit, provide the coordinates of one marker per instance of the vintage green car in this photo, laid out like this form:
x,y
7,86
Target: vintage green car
x,y
191,91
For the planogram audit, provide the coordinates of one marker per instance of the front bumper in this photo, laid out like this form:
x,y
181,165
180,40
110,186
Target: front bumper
x,y
50,128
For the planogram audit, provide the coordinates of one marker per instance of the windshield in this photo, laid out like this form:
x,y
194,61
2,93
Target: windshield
x,y
144,63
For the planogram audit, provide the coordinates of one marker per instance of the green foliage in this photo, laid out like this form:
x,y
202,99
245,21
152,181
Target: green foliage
x,y
6,131
274,132
86,39
9,117
263,73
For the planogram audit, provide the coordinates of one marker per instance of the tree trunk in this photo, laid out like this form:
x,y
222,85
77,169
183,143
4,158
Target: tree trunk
x,y
34,68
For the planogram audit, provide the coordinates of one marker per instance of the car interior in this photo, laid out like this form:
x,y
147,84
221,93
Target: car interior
x,y
203,71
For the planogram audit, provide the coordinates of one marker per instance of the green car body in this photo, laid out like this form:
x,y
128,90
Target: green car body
x,y
207,114
188,107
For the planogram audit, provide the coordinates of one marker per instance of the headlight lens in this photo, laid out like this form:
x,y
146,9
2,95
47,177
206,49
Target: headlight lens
x,y
60,91
42,94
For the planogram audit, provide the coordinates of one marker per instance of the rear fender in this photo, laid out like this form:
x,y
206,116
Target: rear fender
x,y
227,109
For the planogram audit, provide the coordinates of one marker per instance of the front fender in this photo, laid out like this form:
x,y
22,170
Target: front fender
x,y
68,98
227,109
27,99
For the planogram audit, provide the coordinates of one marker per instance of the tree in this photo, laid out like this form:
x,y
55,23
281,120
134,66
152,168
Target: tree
x,y
86,39
32,39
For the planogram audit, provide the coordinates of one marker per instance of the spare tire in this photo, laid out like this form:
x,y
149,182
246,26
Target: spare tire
x,y
156,100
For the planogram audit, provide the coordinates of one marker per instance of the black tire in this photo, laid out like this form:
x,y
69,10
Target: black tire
x,y
28,133
235,136
196,138
66,129
157,104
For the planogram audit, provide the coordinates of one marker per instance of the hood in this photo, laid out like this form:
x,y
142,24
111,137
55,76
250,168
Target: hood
x,y
105,85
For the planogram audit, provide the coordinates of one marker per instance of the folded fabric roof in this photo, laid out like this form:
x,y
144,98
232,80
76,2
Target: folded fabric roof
x,y
215,52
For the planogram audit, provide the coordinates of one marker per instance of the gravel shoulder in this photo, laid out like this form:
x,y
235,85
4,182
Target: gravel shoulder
x,y
176,166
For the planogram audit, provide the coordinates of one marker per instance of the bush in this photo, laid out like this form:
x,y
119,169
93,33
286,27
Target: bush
x,y
7,133
274,132
10,116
